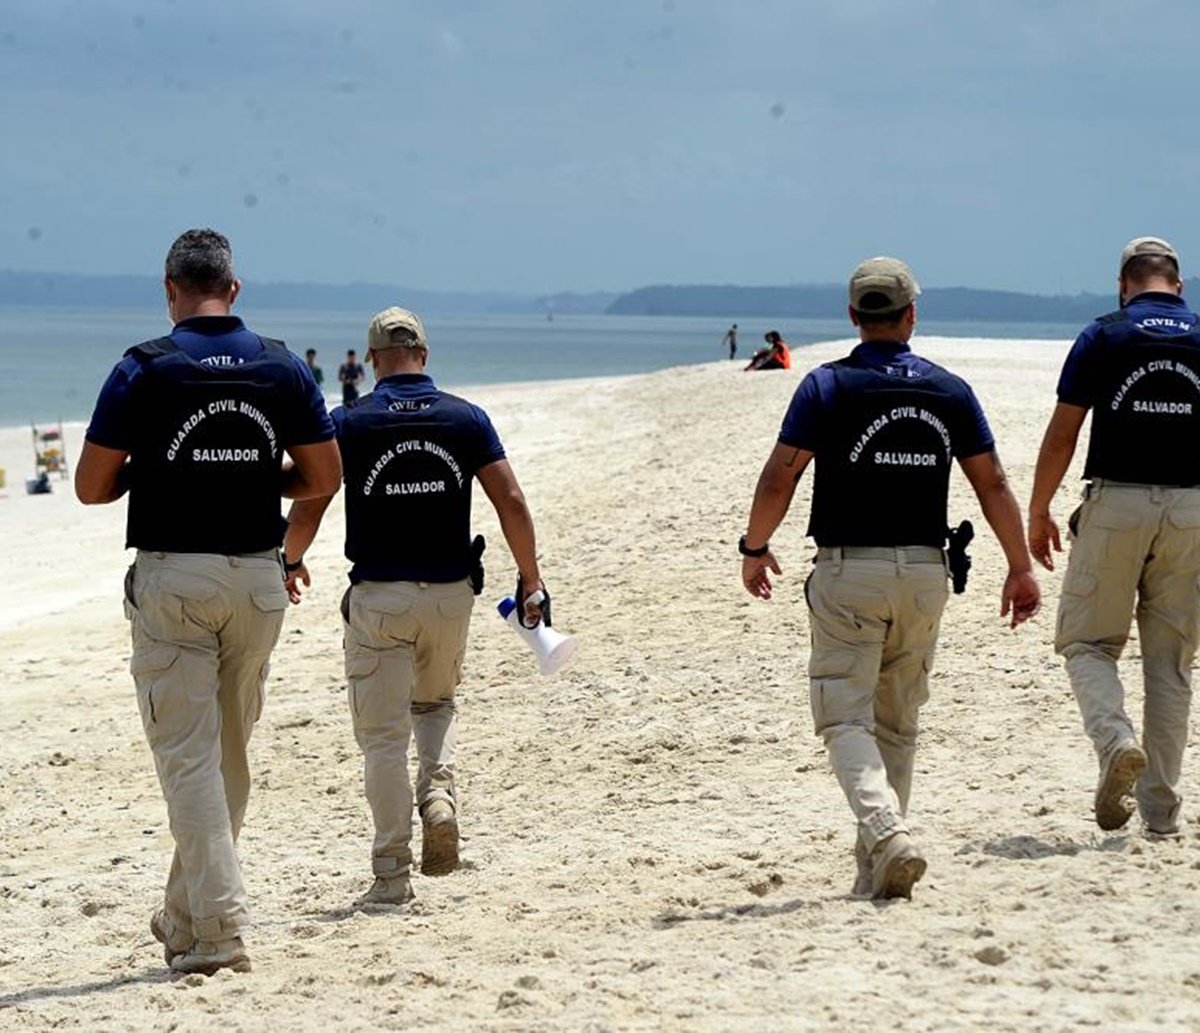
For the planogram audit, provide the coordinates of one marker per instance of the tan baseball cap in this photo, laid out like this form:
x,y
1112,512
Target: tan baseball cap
x,y
882,285
1140,246
380,336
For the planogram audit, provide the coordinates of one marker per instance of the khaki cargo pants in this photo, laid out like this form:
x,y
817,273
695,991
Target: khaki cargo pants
x,y
874,619
1136,545
203,629
405,643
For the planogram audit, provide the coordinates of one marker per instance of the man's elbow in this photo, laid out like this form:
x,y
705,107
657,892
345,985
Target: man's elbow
x,y
89,493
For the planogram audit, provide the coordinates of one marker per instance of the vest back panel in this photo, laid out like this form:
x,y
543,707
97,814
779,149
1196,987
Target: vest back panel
x,y
1146,417
883,473
205,476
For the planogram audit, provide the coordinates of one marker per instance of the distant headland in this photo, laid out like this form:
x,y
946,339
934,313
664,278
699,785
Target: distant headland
x,y
820,301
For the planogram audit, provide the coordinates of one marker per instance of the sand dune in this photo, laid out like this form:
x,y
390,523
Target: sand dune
x,y
654,839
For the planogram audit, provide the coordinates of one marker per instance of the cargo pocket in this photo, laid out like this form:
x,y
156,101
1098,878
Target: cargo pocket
x,y
152,671
834,693
1075,606
373,703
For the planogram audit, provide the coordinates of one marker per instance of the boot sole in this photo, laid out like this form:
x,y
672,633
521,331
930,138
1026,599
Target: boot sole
x,y
1111,811
439,848
900,877
234,964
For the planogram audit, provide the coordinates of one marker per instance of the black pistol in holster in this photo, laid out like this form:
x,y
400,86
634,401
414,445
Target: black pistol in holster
x,y
476,575
956,554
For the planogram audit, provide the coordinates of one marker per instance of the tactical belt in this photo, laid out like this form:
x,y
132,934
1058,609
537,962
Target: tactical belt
x,y
902,553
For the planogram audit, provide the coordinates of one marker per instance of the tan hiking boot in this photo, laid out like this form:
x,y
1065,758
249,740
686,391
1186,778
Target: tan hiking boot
x,y
861,889
175,940
206,956
439,842
394,890
896,865
1120,770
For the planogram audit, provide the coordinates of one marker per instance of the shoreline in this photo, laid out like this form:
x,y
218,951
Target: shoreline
x,y
333,399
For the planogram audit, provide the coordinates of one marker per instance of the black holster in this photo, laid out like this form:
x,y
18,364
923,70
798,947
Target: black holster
x,y
476,575
956,555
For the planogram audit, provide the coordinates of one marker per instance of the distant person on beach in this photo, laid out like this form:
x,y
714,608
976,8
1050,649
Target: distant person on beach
x,y
776,355
194,426
731,340
310,357
352,375
1137,534
882,425
411,453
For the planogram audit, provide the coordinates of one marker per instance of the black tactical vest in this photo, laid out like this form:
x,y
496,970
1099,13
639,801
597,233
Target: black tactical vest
x,y
408,474
1146,416
883,472
205,474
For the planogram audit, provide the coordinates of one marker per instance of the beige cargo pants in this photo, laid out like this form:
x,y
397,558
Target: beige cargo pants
x,y
203,629
405,643
874,620
1136,546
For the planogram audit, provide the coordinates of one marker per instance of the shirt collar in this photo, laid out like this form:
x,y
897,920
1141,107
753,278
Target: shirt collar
x,y
211,324
406,380
1157,298
880,349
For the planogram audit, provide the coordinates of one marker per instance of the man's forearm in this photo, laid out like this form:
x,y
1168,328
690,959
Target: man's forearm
x,y
772,499
517,525
304,519
1003,515
1054,459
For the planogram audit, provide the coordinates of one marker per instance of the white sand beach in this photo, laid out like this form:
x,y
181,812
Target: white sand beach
x,y
653,839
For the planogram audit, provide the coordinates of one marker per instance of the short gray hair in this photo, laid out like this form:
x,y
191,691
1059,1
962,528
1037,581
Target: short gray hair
x,y
201,262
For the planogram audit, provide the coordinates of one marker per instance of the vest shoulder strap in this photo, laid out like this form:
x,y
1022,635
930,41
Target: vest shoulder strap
x,y
148,350
1113,318
271,344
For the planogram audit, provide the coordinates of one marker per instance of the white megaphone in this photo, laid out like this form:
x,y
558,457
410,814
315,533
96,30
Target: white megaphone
x,y
552,649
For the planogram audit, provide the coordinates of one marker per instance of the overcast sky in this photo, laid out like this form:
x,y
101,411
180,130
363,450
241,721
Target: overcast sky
x,y
543,145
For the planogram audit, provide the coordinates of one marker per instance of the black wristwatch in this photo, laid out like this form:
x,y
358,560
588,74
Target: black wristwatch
x,y
291,568
745,549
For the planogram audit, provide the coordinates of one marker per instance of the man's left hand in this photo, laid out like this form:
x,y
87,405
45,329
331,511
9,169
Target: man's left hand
x,y
292,582
754,574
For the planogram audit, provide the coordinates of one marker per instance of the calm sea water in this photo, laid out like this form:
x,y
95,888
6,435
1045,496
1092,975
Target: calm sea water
x,y
53,361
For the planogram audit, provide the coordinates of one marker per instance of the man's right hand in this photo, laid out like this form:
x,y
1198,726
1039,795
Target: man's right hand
x,y
1020,595
1043,533
531,605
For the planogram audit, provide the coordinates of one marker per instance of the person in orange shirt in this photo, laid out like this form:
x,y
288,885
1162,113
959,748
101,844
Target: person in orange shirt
x,y
776,356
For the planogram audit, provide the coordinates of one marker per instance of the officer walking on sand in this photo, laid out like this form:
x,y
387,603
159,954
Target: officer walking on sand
x,y
883,425
410,454
194,426
1137,534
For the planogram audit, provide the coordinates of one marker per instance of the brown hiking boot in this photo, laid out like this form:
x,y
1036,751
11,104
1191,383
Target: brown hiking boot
x,y
897,865
1120,770
439,842
207,956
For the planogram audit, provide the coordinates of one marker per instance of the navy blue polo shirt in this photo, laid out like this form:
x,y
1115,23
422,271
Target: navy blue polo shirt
x,y
409,455
1166,315
221,341
816,398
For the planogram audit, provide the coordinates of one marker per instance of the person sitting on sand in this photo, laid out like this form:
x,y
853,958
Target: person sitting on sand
x,y
776,355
